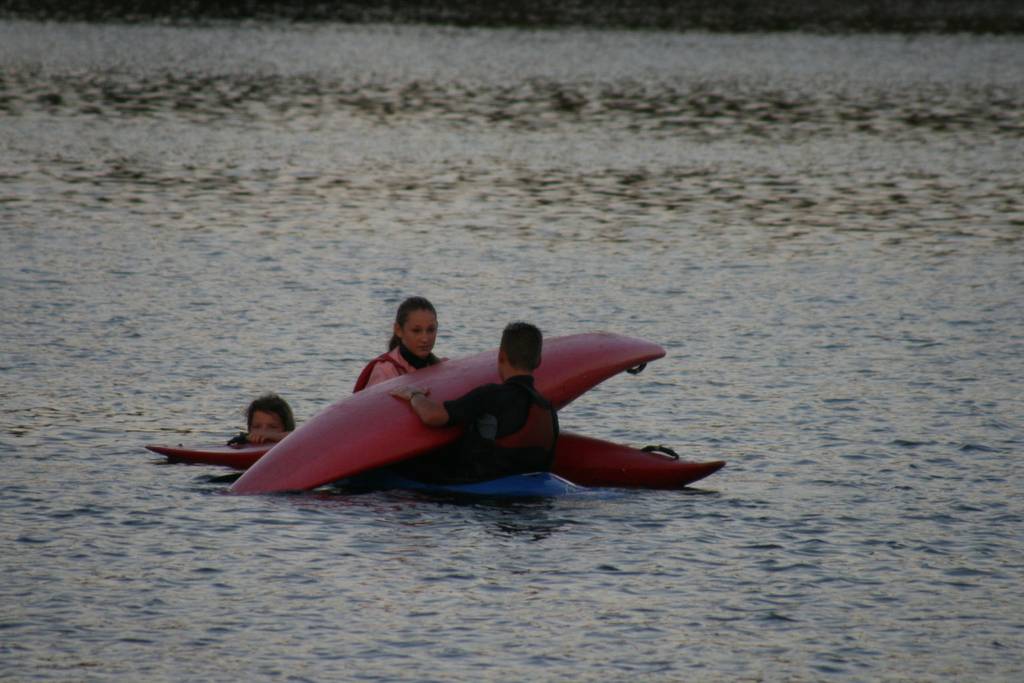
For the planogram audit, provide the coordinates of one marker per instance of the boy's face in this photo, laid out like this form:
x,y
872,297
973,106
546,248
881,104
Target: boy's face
x,y
264,421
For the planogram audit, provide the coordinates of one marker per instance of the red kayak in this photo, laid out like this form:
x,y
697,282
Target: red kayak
x,y
580,459
593,462
372,428
240,457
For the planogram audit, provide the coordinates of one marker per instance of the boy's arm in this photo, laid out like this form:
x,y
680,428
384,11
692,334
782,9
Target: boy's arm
x,y
429,411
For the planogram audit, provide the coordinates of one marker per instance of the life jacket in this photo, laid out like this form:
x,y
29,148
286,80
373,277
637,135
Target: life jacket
x,y
364,376
540,429
529,449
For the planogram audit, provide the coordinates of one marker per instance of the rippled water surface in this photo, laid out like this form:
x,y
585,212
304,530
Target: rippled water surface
x,y
825,233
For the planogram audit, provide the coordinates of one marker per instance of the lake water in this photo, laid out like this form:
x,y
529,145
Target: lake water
x,y
826,233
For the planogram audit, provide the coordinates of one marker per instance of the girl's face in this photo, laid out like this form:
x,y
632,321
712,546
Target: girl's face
x,y
419,332
262,420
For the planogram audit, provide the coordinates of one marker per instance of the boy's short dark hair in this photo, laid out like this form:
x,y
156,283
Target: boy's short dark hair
x,y
522,344
271,403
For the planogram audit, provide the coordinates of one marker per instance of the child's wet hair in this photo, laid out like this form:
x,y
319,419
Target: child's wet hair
x,y
271,403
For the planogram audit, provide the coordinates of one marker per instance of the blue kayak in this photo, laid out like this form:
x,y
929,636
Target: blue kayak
x,y
535,484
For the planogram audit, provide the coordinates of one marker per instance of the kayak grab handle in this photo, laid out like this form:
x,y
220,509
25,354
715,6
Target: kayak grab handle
x,y
637,370
664,450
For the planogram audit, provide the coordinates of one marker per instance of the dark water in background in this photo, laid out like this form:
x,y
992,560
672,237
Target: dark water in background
x,y
903,16
825,232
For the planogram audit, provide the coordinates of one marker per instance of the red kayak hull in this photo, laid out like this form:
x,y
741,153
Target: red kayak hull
x,y
593,462
580,459
372,428
241,458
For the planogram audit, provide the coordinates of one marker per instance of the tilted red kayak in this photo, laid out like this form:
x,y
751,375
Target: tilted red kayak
x,y
371,429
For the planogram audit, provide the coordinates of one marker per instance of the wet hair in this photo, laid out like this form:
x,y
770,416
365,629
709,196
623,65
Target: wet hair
x,y
271,403
407,307
522,344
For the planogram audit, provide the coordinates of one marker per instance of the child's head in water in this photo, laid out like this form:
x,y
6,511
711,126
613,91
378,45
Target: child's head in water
x,y
269,416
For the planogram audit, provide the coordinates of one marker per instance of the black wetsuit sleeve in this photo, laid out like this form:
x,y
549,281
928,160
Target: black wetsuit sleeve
x,y
469,406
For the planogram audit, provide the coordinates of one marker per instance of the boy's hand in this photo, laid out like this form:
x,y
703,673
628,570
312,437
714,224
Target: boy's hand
x,y
407,393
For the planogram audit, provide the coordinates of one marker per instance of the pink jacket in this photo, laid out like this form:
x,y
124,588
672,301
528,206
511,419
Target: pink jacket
x,y
384,367
386,370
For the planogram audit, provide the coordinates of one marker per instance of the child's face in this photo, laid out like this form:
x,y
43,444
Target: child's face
x,y
264,421
419,332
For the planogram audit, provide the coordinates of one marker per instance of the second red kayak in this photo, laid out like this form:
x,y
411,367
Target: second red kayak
x,y
580,459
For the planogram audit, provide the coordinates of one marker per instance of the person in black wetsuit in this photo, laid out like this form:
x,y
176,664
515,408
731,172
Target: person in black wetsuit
x,y
509,427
